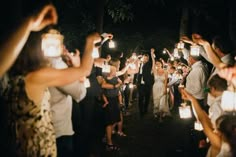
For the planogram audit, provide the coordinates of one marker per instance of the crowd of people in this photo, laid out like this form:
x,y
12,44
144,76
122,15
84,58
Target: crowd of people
x,y
52,113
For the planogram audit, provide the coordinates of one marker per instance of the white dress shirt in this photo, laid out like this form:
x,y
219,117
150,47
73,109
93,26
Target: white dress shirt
x,y
215,110
197,79
61,102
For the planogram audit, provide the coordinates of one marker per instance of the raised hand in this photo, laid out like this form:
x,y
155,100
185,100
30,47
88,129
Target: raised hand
x,y
196,36
152,52
94,37
46,16
185,95
200,41
186,40
107,35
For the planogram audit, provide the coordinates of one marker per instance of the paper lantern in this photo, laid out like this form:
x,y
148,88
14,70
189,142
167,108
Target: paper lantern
x,y
52,43
185,111
111,44
180,45
194,50
198,126
106,68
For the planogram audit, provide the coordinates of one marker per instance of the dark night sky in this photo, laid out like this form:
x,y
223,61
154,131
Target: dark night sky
x,y
157,19
212,20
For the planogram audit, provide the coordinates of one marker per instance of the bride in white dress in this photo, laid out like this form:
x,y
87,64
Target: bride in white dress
x,y
161,107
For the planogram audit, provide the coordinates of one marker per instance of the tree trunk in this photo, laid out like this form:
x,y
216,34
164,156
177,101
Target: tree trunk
x,y
100,15
184,22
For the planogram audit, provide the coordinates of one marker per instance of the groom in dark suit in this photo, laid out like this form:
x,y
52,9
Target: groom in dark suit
x,y
145,82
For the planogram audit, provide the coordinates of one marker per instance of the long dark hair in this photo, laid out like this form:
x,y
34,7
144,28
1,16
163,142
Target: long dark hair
x,y
31,58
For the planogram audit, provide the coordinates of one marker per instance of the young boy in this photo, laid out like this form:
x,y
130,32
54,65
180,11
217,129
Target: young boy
x,y
217,86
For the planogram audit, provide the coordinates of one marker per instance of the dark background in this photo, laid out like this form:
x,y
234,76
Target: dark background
x,y
137,25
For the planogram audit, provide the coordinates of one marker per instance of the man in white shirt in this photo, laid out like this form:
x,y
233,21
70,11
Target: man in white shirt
x,y
222,48
196,80
61,107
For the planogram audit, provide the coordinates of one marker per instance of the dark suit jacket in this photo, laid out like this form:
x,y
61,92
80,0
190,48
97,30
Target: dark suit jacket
x,y
146,74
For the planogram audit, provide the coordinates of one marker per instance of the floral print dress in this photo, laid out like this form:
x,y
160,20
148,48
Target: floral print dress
x,y
31,123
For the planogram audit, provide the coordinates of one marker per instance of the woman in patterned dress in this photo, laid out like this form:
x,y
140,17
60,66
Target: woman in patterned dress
x,y
28,98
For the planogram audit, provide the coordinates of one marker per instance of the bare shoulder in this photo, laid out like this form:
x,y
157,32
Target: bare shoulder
x,y
35,91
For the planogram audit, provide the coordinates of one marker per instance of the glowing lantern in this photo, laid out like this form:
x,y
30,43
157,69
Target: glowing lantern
x,y
198,126
52,43
180,45
194,50
95,53
164,51
111,44
106,68
131,85
185,111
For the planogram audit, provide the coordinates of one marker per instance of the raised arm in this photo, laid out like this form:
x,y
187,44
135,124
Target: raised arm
x,y
12,46
213,58
48,77
215,140
153,60
186,40
122,71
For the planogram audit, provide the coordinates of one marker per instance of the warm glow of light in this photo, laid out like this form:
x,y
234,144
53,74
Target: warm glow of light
x,y
185,111
228,101
179,67
198,126
52,43
194,50
131,85
111,44
180,45
106,68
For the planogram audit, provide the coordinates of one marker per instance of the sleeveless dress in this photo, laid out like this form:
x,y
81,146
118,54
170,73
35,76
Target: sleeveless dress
x,y
159,98
112,110
30,123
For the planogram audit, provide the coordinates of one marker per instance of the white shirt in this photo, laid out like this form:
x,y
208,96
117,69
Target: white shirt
x,y
227,59
215,110
61,102
196,80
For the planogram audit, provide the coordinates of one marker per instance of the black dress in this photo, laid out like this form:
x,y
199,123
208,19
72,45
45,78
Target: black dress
x,y
112,110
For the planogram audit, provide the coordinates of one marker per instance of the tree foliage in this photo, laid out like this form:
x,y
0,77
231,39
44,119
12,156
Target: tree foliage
x,y
119,11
